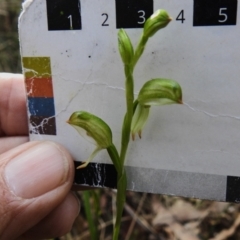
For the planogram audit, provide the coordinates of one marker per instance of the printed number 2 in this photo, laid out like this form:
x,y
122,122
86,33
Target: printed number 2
x,y
180,16
141,16
223,15
106,18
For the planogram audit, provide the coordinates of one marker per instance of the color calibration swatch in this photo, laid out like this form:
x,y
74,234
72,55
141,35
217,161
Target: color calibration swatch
x,y
39,87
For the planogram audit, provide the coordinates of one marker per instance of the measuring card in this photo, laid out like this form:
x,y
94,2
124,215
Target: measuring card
x,y
71,63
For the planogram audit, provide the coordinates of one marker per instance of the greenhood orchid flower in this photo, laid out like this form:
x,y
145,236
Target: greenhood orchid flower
x,y
92,128
155,92
139,120
160,91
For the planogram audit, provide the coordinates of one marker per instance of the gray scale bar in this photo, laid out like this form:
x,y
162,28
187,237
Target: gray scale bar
x,y
185,184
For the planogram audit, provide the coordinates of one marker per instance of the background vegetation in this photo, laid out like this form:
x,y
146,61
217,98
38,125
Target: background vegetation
x,y
9,46
146,216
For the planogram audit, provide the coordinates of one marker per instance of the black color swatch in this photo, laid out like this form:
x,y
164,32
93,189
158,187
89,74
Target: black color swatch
x,y
233,189
133,13
214,12
64,15
43,125
96,175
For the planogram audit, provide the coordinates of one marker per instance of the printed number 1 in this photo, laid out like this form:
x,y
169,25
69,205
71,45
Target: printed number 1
x,y
70,17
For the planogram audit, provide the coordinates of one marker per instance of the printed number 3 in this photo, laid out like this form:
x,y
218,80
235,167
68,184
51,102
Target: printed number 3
x,y
223,15
141,16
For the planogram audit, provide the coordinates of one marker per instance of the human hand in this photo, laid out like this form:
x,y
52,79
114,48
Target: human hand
x,y
35,177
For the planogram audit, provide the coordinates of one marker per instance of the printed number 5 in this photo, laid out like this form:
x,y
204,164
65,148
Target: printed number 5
x,y
223,15
142,17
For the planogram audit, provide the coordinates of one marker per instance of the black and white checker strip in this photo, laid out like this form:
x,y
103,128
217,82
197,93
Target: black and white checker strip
x,y
179,183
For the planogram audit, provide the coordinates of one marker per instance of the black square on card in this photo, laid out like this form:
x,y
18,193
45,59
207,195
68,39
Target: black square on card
x,y
133,13
64,15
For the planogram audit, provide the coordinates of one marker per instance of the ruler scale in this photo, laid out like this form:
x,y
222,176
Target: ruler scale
x,y
71,62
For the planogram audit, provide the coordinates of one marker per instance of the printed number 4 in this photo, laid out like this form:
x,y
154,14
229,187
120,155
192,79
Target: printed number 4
x,y
223,15
180,16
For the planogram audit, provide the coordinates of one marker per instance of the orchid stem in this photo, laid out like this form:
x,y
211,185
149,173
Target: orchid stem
x,y
126,130
126,127
139,49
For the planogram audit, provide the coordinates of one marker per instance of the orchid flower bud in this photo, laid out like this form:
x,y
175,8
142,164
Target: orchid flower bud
x,y
125,47
157,20
154,92
92,128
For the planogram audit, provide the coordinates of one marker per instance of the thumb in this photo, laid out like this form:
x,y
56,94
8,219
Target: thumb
x,y
34,179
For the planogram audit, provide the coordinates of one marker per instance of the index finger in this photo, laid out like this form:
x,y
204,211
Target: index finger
x,y
13,111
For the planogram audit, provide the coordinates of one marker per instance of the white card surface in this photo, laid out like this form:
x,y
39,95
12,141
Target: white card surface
x,y
71,63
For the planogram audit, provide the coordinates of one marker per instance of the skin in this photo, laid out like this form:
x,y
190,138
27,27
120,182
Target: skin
x,y
30,214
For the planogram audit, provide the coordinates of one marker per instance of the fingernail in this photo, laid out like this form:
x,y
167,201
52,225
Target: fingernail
x,y
38,170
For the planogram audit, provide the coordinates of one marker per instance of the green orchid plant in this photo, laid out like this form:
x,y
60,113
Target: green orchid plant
x,y
155,92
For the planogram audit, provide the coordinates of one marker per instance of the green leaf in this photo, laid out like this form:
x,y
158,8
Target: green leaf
x,y
91,216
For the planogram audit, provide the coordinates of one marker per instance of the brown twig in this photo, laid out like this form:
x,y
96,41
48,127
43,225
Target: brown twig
x,y
130,229
140,220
